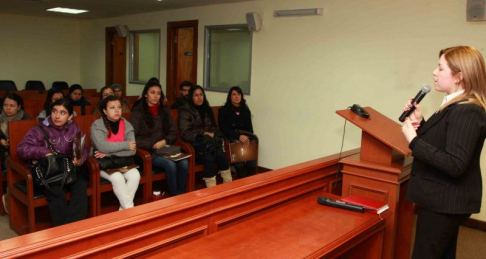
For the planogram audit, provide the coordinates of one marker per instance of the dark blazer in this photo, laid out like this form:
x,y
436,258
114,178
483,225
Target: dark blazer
x,y
191,123
446,174
146,137
230,122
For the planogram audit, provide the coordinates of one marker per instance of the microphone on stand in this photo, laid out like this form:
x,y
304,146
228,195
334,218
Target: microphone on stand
x,y
421,94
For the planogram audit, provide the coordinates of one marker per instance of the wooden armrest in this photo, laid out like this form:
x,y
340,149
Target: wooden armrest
x,y
19,167
18,171
94,171
146,160
188,148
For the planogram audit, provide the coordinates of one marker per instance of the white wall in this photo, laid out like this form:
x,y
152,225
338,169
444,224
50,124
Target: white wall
x,y
375,53
33,48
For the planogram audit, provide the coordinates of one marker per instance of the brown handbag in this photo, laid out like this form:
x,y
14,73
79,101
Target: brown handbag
x,y
240,154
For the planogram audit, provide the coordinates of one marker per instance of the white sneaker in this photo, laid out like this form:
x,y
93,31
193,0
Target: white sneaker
x,y
6,203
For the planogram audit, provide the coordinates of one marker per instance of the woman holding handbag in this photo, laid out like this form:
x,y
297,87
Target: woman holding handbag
x,y
112,135
197,126
154,129
61,131
233,117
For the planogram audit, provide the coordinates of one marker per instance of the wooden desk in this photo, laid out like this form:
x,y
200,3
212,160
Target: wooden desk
x,y
160,226
300,228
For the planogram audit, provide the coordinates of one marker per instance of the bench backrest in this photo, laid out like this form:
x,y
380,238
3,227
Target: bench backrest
x,y
16,132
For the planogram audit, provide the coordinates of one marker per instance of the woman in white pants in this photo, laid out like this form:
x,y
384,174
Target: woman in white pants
x,y
112,135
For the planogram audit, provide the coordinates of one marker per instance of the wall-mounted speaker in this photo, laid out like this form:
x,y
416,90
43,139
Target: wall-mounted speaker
x,y
254,21
475,10
122,31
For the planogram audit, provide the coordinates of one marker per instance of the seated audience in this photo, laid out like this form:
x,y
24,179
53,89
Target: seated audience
x,y
61,130
53,95
154,129
233,117
12,110
77,99
113,135
104,92
198,127
118,91
185,86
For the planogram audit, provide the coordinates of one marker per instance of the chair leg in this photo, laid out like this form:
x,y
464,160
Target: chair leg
x,y
18,216
31,215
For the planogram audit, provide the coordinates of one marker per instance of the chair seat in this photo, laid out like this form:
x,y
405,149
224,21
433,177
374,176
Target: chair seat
x,y
22,186
158,175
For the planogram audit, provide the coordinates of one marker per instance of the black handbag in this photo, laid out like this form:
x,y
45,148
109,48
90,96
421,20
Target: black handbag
x,y
115,162
53,170
204,144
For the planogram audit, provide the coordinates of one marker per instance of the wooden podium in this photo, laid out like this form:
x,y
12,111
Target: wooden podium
x,y
381,172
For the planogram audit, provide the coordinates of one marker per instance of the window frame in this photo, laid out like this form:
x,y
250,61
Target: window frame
x,y
207,47
131,34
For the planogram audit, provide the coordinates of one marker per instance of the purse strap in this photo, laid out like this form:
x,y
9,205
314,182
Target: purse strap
x,y
67,171
46,137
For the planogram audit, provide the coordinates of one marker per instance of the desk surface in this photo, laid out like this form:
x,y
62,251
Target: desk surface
x,y
295,229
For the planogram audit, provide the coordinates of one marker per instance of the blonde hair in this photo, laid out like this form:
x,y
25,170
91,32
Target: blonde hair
x,y
470,63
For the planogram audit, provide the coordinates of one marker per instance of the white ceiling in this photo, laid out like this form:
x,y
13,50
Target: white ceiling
x,y
100,8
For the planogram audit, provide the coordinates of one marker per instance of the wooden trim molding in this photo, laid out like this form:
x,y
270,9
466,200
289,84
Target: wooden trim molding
x,y
164,224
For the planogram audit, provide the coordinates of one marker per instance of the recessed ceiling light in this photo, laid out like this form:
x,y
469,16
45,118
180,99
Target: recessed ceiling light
x,y
66,10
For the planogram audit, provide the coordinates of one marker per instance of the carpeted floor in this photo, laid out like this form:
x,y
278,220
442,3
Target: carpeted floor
x,y
471,244
5,231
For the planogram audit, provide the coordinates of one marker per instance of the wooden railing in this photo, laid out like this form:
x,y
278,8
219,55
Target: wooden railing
x,y
175,221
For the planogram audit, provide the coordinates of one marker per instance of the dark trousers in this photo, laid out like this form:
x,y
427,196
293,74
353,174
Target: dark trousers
x,y
62,211
211,159
245,169
436,234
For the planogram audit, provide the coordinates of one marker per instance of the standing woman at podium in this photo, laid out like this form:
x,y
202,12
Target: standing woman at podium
x,y
446,180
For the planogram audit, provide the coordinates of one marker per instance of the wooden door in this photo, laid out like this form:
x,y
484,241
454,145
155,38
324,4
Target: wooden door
x,y
181,56
116,59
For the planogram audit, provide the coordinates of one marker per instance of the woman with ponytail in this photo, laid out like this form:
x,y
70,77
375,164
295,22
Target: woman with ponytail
x,y
155,128
112,135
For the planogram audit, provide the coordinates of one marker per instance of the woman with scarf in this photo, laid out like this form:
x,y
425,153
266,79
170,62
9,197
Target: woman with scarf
x,y
77,99
112,135
154,129
12,110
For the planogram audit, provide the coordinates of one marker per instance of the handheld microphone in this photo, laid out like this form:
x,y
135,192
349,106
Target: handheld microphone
x,y
425,89
339,204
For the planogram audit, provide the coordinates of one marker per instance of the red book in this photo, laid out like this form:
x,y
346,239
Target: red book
x,y
373,206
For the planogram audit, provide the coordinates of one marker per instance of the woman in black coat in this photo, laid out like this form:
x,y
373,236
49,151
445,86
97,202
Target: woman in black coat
x,y
234,117
446,180
198,127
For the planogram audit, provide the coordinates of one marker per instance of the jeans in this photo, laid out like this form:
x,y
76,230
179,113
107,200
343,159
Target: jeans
x,y
175,173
